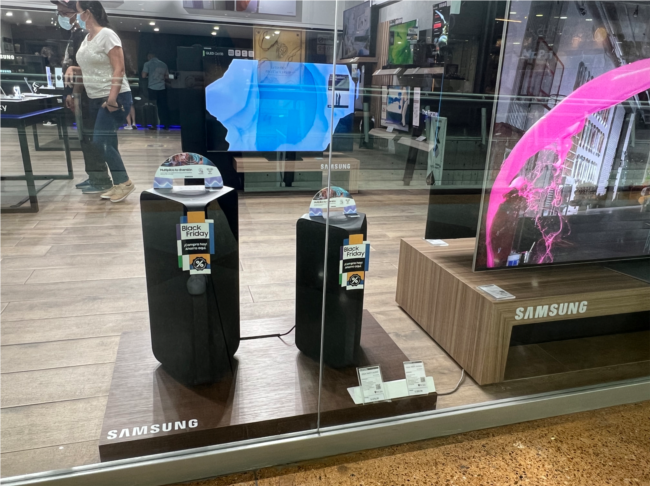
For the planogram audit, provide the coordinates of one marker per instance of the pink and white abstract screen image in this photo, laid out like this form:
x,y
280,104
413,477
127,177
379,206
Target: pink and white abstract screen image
x,y
568,170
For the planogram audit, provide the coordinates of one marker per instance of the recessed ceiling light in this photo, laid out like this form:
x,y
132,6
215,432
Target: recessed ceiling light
x,y
563,18
10,14
152,23
277,32
216,27
214,33
589,20
539,15
28,21
513,13
516,43
267,36
156,29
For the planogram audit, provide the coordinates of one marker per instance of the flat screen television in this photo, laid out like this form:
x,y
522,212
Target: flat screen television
x,y
401,38
359,27
271,106
397,112
568,167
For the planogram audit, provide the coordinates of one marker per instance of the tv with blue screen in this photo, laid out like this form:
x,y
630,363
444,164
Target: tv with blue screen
x,y
270,106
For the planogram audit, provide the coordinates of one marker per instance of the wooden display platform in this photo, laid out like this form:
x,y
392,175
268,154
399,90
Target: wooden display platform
x,y
437,287
274,391
307,164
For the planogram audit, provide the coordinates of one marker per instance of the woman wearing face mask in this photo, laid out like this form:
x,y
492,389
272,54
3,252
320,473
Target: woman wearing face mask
x,y
101,60
77,101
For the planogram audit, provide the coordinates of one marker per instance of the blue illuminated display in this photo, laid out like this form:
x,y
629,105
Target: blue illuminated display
x,y
269,106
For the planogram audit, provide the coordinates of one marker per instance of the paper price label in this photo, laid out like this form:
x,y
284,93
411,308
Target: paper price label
x,y
372,384
416,378
496,292
437,242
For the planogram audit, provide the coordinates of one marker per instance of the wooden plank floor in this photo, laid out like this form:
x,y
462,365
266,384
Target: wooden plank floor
x,y
73,281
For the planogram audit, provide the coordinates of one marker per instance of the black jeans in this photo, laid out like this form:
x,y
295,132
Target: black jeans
x,y
159,96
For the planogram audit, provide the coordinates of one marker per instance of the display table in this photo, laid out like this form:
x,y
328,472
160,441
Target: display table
x,y
274,391
308,164
437,287
20,122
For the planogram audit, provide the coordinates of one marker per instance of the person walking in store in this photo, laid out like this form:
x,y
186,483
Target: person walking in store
x,y
76,99
156,73
101,63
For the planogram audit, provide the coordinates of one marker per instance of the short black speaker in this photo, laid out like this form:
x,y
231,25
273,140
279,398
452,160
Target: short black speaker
x,y
343,308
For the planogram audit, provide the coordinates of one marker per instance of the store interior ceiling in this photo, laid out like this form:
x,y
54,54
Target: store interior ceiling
x,y
39,18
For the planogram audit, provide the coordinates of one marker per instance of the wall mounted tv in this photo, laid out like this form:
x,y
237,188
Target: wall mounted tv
x,y
568,173
401,38
359,31
270,106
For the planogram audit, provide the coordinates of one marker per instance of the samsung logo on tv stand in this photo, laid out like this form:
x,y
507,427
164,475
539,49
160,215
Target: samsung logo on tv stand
x,y
552,310
153,429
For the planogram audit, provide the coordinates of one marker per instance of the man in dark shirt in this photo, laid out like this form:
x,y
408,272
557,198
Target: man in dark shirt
x,y
75,98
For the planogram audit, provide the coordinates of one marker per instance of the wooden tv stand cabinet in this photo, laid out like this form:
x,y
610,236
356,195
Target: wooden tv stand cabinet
x,y
437,287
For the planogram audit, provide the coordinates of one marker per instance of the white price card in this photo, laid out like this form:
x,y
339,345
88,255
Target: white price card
x,y
416,107
421,139
372,384
416,378
496,292
437,242
390,129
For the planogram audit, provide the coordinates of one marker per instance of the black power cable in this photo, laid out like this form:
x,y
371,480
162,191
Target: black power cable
x,y
264,336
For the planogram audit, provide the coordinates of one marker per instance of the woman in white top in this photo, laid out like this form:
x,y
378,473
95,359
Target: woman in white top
x,y
101,63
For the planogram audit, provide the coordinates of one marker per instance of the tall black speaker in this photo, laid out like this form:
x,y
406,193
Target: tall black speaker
x,y
193,313
343,307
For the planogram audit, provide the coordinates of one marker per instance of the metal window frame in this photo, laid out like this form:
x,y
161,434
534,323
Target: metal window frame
x,y
196,464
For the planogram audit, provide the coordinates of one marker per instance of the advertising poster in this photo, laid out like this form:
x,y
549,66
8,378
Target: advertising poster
x,y
195,241
272,44
353,265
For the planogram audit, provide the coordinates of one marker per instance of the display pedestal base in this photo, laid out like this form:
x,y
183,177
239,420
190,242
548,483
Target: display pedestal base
x,y
274,390
437,287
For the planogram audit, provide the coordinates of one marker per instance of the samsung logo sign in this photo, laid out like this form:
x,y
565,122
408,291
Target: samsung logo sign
x,y
551,310
153,429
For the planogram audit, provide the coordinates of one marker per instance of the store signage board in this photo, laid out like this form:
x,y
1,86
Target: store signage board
x,y
496,292
187,165
339,200
416,378
372,384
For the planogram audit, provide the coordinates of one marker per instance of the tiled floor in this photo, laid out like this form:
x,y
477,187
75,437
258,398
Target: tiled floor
x,y
604,447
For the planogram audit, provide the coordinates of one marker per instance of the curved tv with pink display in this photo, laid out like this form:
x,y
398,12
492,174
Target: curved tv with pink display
x,y
569,162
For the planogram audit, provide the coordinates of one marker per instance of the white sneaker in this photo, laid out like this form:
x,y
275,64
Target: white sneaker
x,y
108,194
122,191
128,127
